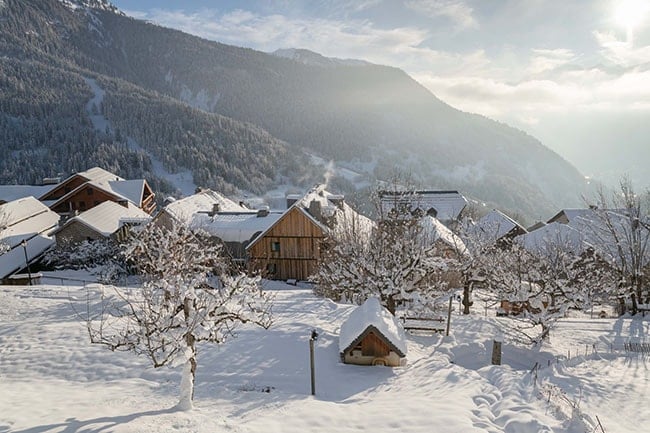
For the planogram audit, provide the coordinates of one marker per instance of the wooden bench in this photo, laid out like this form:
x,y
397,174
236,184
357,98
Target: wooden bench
x,y
425,324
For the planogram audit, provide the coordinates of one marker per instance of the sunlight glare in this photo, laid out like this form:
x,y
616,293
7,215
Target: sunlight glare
x,y
630,13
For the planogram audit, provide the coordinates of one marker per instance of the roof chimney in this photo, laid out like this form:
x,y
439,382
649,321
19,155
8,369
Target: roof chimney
x,y
216,208
263,212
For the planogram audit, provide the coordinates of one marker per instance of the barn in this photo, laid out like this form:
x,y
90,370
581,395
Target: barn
x,y
372,336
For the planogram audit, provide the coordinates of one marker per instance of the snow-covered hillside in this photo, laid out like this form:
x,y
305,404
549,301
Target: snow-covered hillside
x,y
53,380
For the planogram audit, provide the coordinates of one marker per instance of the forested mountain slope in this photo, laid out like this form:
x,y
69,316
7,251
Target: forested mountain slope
x,y
352,112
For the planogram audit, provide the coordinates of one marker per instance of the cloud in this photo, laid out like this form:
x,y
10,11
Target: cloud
x,y
455,10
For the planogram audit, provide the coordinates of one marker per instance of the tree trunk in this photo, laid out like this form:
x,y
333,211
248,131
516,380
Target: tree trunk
x,y
546,332
187,385
635,307
390,304
621,305
467,289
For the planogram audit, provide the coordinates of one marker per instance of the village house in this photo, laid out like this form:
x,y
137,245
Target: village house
x,y
108,220
87,189
372,336
291,247
26,227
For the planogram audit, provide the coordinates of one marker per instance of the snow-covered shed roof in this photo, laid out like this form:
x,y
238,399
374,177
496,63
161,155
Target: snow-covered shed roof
x,y
184,209
14,192
495,225
24,219
444,205
108,217
235,226
371,315
434,230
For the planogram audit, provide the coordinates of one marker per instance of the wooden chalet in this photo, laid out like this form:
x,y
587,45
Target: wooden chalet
x,y
290,248
87,189
372,336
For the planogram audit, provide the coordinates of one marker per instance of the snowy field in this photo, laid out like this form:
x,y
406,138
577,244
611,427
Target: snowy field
x,y
53,380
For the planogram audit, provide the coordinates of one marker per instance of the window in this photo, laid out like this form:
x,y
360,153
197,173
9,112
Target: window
x,y
82,205
275,247
89,191
271,268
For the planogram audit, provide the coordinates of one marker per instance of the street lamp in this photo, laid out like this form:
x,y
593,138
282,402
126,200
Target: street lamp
x,y
23,243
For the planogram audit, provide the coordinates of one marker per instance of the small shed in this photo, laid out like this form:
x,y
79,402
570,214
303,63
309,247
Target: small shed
x,y
372,336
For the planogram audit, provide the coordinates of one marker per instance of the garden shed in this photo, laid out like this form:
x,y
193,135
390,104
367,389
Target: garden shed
x,y
372,336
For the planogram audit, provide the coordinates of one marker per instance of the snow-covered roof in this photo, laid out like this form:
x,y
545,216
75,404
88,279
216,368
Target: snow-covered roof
x,y
554,235
14,192
444,205
29,220
108,217
184,209
235,226
132,190
372,314
341,218
129,190
98,174
434,230
495,225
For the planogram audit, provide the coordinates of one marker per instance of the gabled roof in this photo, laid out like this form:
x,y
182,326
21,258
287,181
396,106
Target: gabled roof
x,y
571,214
184,209
551,236
433,230
444,205
127,190
372,317
108,217
235,226
96,174
495,225
132,190
28,220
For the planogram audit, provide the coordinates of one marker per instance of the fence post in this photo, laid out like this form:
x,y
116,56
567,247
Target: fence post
x,y
496,351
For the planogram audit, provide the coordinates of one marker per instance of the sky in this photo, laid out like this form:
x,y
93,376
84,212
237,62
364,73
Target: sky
x,y
573,73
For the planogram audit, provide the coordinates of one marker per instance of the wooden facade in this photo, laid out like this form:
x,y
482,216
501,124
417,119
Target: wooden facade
x,y
89,195
289,249
85,198
373,348
65,187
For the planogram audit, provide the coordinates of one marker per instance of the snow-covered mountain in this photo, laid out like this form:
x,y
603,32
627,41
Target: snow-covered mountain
x,y
240,119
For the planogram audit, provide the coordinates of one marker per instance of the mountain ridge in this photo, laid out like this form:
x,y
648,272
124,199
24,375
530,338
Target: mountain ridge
x,y
372,114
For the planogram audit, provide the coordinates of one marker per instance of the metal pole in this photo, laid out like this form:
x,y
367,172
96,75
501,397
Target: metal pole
x,y
29,274
311,364
451,299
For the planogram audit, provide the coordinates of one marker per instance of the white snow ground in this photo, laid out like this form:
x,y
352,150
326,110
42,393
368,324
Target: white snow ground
x,y
53,380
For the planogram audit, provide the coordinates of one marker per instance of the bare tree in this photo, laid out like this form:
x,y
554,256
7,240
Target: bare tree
x,y
620,232
187,297
397,261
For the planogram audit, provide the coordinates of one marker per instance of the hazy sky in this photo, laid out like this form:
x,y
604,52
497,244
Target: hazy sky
x,y
574,73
